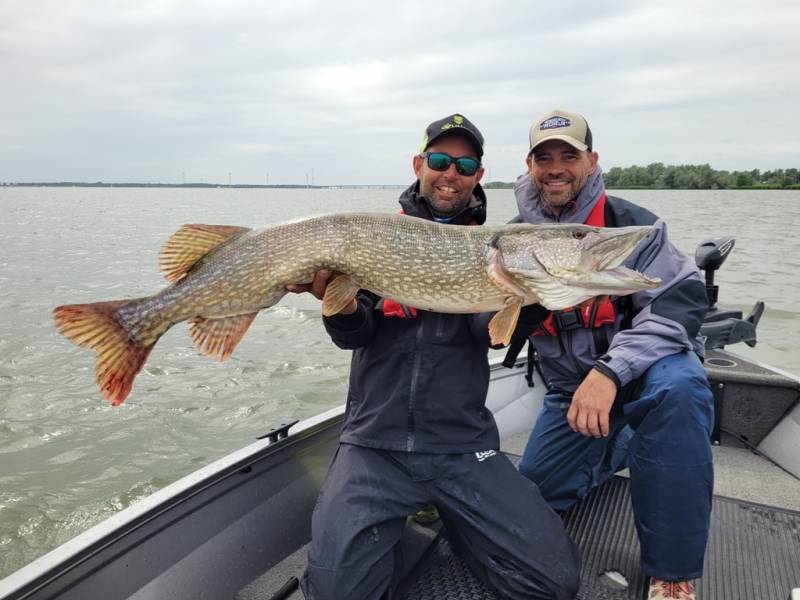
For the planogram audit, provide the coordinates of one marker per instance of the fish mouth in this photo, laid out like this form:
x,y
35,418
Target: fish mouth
x,y
607,249
601,269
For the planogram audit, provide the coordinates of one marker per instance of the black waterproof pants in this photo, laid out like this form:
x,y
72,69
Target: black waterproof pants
x,y
495,517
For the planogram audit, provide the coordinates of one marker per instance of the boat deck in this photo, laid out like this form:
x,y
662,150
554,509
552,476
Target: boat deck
x,y
751,553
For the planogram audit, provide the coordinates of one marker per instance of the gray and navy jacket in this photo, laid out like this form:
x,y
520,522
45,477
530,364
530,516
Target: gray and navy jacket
x,y
650,325
418,380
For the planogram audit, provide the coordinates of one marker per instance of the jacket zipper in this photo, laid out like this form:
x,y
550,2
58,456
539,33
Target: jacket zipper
x,y
412,393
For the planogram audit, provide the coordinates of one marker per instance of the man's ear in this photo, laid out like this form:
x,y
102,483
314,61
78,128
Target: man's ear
x,y
417,163
593,158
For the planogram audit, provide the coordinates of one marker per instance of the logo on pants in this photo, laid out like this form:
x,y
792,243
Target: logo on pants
x,y
482,456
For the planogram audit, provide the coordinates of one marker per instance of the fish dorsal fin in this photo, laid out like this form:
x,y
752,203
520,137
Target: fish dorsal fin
x,y
217,338
191,243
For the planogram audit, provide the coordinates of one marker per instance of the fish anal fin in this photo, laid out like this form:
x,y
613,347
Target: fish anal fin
x,y
119,356
502,325
191,243
217,338
339,293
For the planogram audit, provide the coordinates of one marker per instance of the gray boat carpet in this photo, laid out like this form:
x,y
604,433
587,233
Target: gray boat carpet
x,y
753,554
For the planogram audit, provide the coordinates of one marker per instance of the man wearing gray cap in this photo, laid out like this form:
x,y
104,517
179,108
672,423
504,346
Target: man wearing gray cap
x,y
416,429
626,386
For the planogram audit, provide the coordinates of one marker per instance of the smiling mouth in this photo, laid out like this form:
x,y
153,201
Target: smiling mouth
x,y
446,189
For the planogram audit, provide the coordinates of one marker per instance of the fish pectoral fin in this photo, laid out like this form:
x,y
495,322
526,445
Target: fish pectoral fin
x,y
217,338
339,293
191,243
504,322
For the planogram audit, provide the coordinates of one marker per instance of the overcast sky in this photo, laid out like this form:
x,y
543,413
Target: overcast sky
x,y
158,91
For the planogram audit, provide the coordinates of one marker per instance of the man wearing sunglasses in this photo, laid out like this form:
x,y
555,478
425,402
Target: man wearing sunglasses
x,y
448,171
626,386
417,433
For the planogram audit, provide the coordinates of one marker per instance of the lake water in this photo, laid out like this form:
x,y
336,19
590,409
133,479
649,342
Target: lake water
x,y
68,460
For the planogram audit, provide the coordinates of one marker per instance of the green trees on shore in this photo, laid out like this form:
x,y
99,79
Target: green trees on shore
x,y
690,177
699,177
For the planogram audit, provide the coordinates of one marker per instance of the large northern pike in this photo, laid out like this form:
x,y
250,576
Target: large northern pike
x,y
223,275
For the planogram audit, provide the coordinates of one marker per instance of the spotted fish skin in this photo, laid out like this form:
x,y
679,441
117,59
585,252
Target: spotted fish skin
x,y
222,276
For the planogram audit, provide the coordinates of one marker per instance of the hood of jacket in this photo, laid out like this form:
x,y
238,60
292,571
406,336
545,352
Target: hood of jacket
x,y
533,210
416,205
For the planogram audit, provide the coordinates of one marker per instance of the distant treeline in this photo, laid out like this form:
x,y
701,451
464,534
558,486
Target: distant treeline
x,y
691,177
699,177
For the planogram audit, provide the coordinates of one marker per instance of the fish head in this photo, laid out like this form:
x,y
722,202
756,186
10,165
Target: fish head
x,y
562,265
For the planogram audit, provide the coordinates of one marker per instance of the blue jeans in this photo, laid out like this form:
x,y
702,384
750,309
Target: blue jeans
x,y
660,427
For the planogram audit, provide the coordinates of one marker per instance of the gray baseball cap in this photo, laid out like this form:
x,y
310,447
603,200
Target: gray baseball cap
x,y
563,125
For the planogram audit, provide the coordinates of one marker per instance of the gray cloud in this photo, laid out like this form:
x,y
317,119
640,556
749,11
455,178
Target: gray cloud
x,y
152,90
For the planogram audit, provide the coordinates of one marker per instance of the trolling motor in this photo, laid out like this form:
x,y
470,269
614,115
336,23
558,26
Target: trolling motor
x,y
723,326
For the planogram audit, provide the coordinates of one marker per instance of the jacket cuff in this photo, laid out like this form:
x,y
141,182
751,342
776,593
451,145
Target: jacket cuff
x,y
351,322
603,366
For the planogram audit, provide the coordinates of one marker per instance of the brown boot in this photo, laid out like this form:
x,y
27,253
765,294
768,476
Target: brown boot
x,y
670,590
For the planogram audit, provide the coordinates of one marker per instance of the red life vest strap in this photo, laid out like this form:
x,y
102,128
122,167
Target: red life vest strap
x,y
588,315
395,309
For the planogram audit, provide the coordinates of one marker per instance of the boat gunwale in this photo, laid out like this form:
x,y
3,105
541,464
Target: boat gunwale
x,y
83,547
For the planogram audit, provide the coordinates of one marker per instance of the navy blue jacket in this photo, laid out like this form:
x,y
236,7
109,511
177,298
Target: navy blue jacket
x,y
417,384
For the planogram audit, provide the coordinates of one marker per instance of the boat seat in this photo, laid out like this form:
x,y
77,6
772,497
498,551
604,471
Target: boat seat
x,y
745,414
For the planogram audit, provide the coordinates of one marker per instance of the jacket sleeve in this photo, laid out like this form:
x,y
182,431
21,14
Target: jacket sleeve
x,y
479,327
357,330
666,319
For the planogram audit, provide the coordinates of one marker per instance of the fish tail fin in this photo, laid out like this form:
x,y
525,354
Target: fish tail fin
x,y
119,355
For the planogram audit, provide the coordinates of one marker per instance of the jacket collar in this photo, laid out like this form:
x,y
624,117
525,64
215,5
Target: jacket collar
x,y
533,210
416,205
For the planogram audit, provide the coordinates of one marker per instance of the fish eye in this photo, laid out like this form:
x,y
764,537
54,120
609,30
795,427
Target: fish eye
x,y
579,235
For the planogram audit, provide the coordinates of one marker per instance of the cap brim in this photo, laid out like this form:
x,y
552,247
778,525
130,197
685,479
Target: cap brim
x,y
564,138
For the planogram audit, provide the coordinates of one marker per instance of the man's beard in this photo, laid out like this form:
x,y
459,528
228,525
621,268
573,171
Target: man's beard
x,y
445,207
560,199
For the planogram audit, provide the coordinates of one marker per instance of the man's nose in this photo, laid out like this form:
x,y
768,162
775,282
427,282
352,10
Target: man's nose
x,y
451,172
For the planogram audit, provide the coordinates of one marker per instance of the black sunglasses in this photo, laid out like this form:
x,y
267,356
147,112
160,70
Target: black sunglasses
x,y
440,161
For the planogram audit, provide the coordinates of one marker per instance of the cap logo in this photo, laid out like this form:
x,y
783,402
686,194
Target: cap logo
x,y
555,123
458,121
